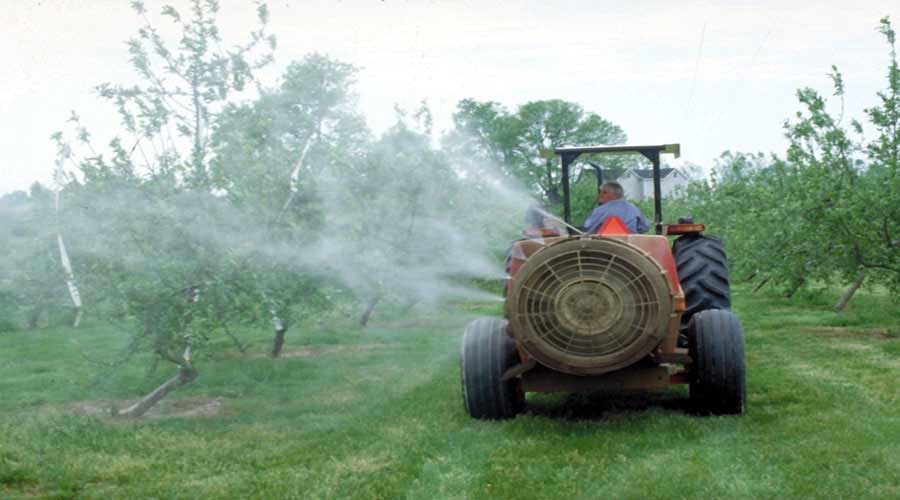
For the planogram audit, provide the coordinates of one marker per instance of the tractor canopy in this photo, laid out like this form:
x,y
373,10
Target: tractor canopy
x,y
570,154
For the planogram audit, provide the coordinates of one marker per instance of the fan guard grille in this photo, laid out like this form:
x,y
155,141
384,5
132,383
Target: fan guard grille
x,y
589,305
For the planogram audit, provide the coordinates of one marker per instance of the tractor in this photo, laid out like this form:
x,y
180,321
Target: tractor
x,y
611,311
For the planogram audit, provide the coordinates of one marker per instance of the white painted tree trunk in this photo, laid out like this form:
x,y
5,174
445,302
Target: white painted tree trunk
x,y
68,274
279,329
293,186
294,182
70,278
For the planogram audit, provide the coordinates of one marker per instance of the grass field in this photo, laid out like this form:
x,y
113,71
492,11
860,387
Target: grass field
x,y
378,414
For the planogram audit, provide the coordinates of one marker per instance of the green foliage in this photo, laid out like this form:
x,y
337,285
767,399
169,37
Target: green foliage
x,y
259,145
182,89
844,187
828,212
388,217
152,245
287,210
583,193
32,288
164,258
227,205
269,157
522,143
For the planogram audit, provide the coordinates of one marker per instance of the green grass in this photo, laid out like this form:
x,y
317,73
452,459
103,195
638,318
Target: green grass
x,y
378,414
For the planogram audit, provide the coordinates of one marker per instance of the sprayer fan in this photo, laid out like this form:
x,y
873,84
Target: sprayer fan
x,y
589,305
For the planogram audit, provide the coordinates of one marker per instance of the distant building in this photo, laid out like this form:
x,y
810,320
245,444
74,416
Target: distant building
x,y
638,182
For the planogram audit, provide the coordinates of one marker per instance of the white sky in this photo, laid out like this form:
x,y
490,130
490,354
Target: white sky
x,y
713,76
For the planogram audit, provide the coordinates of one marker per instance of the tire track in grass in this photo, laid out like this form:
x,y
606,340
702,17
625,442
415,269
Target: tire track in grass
x,y
728,463
623,456
697,470
842,424
459,454
851,367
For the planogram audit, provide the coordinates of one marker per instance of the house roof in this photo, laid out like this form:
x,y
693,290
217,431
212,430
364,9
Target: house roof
x,y
647,173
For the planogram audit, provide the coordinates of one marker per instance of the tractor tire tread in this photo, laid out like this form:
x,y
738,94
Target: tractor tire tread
x,y
702,268
487,352
718,380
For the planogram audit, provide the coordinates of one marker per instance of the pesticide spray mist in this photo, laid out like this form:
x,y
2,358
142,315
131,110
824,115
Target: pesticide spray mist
x,y
343,228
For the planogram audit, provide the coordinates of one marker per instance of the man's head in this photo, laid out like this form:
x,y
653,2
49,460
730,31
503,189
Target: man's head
x,y
610,191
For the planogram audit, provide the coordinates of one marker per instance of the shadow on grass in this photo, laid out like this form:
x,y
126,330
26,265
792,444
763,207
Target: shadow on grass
x,y
603,405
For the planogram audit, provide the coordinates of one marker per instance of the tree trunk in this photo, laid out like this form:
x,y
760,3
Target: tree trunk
x,y
68,274
277,325
364,320
186,374
848,293
295,178
796,284
69,277
235,340
408,307
34,317
278,340
759,286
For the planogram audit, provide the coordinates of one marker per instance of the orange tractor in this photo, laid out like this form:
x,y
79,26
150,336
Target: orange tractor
x,y
610,311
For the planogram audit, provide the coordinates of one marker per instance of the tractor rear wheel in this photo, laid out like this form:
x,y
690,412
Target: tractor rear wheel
x,y
703,272
487,352
718,379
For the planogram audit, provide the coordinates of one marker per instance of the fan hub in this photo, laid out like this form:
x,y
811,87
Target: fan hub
x,y
588,307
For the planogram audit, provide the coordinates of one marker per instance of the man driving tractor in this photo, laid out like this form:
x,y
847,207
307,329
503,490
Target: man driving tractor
x,y
613,205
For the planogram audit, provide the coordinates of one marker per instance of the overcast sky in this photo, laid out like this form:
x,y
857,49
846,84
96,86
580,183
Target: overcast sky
x,y
713,76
